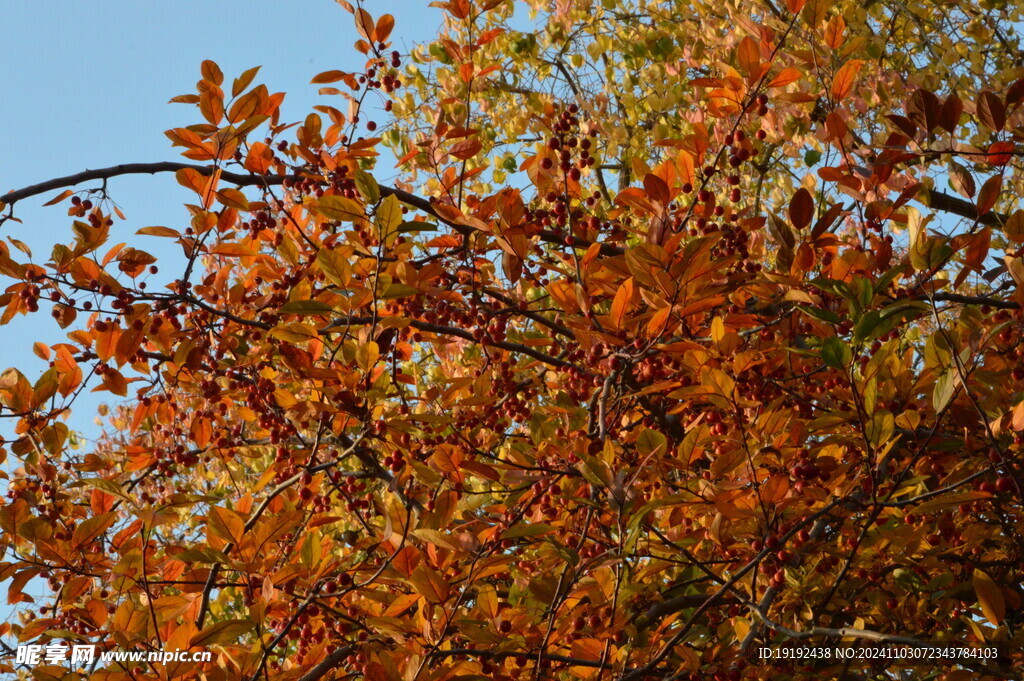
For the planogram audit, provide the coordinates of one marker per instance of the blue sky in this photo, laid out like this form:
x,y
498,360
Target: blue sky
x,y
87,85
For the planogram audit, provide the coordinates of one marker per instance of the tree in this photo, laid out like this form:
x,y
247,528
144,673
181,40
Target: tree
x,y
666,344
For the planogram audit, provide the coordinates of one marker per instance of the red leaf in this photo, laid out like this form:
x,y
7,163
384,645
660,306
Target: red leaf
x,y
1000,153
466,149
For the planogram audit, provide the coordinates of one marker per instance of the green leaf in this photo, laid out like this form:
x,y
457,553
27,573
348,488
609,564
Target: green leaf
x,y
367,186
811,157
836,353
867,325
340,208
824,315
650,442
594,471
882,283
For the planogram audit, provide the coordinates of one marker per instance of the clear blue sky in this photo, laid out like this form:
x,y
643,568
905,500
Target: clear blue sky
x,y
87,85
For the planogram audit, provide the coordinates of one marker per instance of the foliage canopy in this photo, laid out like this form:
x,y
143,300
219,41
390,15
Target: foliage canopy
x,y
684,328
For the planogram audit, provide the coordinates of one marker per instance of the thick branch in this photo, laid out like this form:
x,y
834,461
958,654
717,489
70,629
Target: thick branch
x,y
947,203
246,180
975,300
454,331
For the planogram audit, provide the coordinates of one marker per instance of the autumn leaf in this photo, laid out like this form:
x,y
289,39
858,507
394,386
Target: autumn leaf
x,y
846,76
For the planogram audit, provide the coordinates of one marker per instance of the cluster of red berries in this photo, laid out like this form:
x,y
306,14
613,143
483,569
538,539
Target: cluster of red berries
x,y
568,141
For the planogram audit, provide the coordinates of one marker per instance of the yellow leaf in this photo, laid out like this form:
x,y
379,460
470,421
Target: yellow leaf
x,y
232,198
717,329
294,333
990,597
340,208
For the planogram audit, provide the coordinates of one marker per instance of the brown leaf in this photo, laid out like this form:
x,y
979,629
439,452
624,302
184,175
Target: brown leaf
x,y
991,111
801,209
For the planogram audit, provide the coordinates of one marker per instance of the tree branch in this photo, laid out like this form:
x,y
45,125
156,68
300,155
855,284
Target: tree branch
x,y
455,331
327,664
246,180
938,200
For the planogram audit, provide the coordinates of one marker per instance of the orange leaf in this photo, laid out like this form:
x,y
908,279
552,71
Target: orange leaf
x,y
201,431
101,502
623,297
687,172
466,149
259,159
383,28
191,179
834,31
429,584
60,197
328,77
786,76
243,81
842,84
115,382
364,24
212,72
232,198
748,55
106,341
